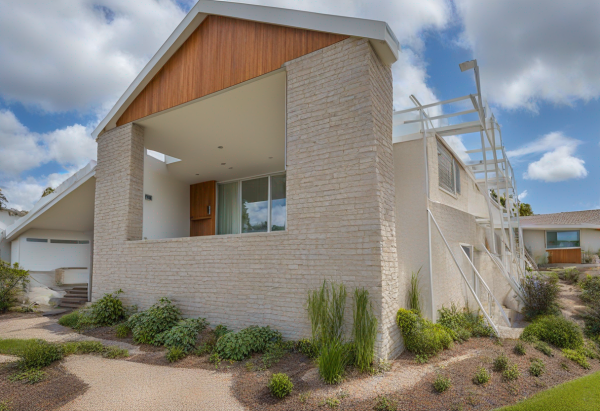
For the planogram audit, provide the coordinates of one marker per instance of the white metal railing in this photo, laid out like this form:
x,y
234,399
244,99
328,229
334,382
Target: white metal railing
x,y
511,281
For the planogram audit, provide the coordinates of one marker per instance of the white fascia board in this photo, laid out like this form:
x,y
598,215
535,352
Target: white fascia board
x,y
524,226
382,39
17,228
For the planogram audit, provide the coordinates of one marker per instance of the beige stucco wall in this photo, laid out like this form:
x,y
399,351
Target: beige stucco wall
x,y
340,199
590,240
535,240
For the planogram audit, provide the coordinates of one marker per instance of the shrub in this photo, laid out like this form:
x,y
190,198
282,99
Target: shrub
x,y
273,354
555,330
385,404
326,306
441,383
364,330
464,323
108,310
39,354
220,330
537,367
577,356
280,385
511,373
70,320
13,280
540,295
569,275
184,335
306,347
175,354
115,352
591,318
420,335
520,348
544,348
481,376
147,325
82,347
332,362
421,359
501,362
591,289
237,346
122,330
414,293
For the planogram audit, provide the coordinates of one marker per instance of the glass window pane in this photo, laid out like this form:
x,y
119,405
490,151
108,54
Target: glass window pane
x,y
562,239
278,207
446,178
228,210
255,205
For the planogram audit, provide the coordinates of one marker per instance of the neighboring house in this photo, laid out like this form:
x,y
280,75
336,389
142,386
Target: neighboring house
x,y
54,240
254,157
562,237
7,217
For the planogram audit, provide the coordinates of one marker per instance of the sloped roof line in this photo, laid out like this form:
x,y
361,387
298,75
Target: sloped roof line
x,y
382,39
585,217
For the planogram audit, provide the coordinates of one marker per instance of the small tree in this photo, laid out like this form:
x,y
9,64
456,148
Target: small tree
x,y
525,210
3,200
12,279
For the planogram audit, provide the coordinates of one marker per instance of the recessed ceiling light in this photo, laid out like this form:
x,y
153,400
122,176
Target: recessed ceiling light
x,y
220,147
222,164
197,174
231,168
270,158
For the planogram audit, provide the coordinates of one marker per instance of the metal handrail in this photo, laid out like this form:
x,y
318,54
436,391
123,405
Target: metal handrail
x,y
512,283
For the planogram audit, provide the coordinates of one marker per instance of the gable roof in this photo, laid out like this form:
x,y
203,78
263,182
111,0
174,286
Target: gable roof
x,y
379,33
587,218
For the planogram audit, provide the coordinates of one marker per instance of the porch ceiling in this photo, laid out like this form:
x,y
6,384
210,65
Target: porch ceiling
x,y
248,121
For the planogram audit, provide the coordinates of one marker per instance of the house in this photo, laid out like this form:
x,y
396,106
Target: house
x,y
255,155
54,239
562,237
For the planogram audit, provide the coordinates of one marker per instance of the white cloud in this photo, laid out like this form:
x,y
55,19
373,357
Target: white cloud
x,y
23,194
522,196
458,146
547,143
535,50
63,54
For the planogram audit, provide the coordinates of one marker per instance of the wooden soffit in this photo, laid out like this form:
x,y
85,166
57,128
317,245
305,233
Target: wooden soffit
x,y
220,53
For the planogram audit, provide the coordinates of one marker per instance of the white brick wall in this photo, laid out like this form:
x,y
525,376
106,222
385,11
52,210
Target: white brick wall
x,y
340,202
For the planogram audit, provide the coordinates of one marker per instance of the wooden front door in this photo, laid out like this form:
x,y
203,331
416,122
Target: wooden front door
x,y
202,208
566,255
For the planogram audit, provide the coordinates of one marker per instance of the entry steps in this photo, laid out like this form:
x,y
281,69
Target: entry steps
x,y
76,297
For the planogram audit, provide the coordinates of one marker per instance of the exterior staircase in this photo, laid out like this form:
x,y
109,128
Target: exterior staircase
x,y
76,296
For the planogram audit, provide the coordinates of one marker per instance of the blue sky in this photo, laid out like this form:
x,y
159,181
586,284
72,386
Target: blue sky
x,y
64,63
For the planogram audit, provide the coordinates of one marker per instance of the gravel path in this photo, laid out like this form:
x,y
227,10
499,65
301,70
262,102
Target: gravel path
x,y
124,385
48,329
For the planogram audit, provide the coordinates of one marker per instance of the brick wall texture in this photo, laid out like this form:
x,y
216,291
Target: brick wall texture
x,y
340,205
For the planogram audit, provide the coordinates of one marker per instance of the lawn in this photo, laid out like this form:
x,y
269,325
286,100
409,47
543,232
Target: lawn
x,y
582,394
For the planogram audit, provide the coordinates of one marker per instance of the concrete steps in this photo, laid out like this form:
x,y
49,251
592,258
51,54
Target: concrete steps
x,y
76,297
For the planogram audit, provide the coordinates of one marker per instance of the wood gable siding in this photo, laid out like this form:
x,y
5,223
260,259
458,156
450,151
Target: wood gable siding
x,y
220,53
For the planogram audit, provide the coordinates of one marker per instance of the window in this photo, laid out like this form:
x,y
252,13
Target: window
x,y
252,206
64,241
562,239
37,240
448,170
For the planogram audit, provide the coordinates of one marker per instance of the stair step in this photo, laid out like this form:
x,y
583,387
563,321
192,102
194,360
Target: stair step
x,y
70,305
77,293
74,299
80,288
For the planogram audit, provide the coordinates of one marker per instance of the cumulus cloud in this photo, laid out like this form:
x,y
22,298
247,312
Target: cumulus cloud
x,y
522,196
558,162
534,50
64,55
23,194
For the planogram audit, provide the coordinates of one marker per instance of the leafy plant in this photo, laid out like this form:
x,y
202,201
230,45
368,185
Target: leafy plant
x,y
115,352
29,376
481,376
280,385
108,310
82,347
544,348
569,275
147,325
306,347
501,362
220,330
555,330
331,402
332,362
421,336
122,330
13,279
237,346
326,307
175,354
215,359
70,320
520,348
540,295
577,356
590,289
383,403
39,354
441,383
511,373
537,367
273,354
364,330
304,396
464,323
421,358
414,292
184,335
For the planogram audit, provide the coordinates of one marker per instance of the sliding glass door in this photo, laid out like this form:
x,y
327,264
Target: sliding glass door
x,y
228,210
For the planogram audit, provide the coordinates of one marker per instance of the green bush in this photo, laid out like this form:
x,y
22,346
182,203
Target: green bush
x,y
520,348
147,325
537,367
237,346
364,330
115,352
577,356
220,330
82,347
541,295
70,320
13,280
184,335
273,354
511,373
29,376
421,358
122,330
569,275
544,348
591,289
481,376
501,362
280,385
555,330
464,323
591,319
39,354
306,347
175,354
108,310
441,383
332,362
420,335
